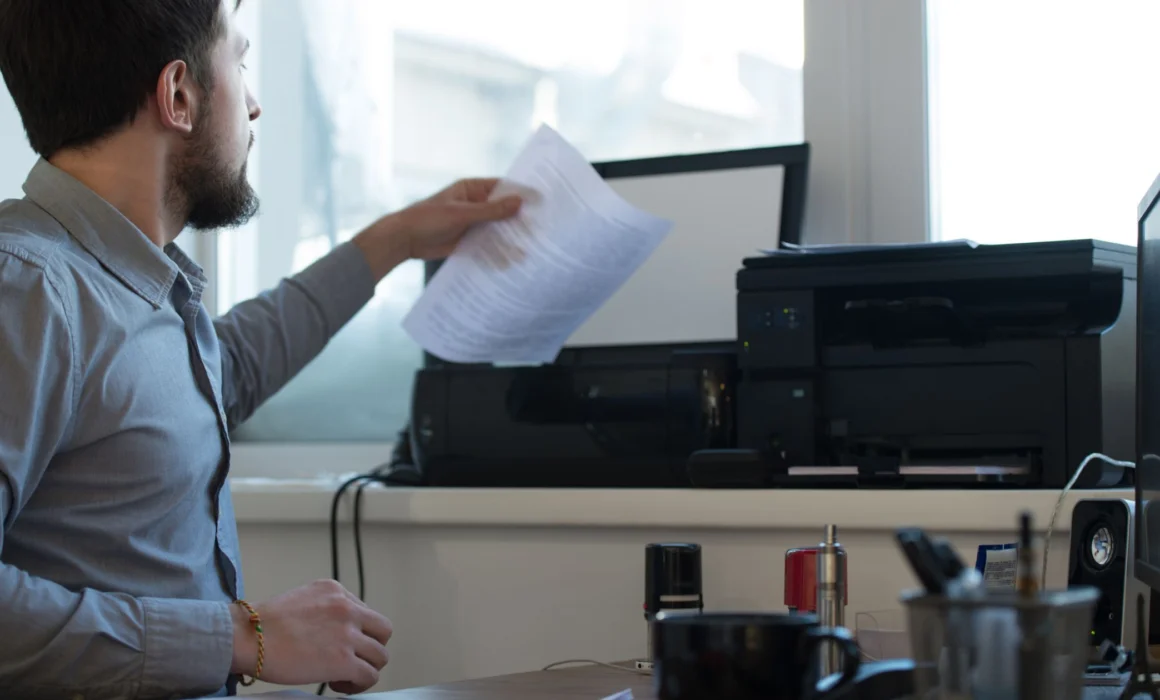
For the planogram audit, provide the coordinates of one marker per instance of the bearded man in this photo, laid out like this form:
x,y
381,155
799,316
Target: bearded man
x,y
120,575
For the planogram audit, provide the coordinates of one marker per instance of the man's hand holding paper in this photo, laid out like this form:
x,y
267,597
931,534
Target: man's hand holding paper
x,y
515,290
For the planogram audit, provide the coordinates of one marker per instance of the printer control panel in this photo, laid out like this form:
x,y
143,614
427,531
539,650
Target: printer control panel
x,y
776,329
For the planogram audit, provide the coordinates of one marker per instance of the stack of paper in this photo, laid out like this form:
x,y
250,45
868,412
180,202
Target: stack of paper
x,y
514,291
799,249
278,695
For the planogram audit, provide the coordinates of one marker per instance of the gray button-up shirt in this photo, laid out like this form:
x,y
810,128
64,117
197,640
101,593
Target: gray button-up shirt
x,y
118,547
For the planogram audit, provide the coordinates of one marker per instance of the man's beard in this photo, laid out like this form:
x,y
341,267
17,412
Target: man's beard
x,y
213,196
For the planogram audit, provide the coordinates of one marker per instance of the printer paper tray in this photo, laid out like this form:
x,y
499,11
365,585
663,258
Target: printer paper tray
x,y
917,470
905,476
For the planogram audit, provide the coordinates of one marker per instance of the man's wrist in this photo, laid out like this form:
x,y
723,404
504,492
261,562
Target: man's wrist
x,y
245,658
384,244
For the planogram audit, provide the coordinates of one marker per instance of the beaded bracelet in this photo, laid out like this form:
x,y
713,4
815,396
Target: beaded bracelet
x,y
256,620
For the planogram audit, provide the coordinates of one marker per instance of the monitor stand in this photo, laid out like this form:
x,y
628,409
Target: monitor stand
x,y
1140,681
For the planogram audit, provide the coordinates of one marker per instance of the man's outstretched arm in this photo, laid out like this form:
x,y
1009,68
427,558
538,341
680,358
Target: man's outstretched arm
x,y
267,340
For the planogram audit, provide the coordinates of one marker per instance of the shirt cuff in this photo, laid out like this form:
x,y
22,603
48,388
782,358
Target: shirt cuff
x,y
341,283
189,646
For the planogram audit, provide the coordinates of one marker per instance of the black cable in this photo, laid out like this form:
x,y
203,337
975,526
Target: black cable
x,y
401,461
334,519
334,573
358,553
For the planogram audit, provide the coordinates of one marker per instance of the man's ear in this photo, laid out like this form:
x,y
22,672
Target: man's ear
x,y
176,97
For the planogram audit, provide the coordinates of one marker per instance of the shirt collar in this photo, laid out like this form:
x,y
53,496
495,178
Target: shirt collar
x,y
106,234
191,271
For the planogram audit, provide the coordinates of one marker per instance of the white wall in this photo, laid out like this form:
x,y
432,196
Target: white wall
x,y
495,581
470,602
16,158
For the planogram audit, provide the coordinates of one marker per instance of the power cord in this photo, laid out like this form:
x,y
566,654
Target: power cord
x,y
1063,494
358,552
399,471
592,662
363,480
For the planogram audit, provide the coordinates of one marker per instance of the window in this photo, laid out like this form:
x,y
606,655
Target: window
x,y
369,105
1043,116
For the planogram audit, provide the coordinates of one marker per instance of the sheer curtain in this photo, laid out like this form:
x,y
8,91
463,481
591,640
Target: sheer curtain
x,y
358,389
371,104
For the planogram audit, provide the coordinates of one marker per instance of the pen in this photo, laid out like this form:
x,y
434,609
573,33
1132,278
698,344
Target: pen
x,y
1025,582
1030,662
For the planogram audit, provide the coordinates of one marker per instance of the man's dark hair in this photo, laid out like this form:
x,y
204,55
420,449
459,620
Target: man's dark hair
x,y
78,70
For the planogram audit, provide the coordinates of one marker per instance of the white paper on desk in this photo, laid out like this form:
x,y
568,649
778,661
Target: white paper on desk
x,y
516,290
279,695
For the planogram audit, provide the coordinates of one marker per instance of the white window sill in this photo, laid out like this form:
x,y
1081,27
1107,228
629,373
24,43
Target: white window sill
x,y
297,462
308,500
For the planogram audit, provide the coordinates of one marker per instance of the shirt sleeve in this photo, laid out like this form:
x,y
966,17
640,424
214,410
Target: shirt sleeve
x,y
267,340
77,643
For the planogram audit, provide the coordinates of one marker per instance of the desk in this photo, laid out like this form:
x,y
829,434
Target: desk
x,y
450,567
580,683
577,683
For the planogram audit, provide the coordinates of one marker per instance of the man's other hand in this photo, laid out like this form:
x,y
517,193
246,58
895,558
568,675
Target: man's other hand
x,y
314,634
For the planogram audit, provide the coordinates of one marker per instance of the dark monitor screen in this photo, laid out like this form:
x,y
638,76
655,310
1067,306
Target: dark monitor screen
x,y
1147,564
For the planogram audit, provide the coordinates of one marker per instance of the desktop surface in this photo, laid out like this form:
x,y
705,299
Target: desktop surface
x,y
579,683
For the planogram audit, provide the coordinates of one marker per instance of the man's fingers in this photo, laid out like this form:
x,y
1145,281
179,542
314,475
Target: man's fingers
x,y
363,678
506,206
375,626
372,624
346,688
365,675
478,189
372,651
495,210
354,598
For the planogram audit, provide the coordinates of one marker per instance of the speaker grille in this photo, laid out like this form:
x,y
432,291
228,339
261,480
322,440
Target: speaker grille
x,y
1099,557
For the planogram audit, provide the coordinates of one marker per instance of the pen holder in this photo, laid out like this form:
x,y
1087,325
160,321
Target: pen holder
x,y
882,634
1001,645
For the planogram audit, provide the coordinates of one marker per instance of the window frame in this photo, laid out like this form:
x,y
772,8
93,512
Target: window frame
x,y
867,120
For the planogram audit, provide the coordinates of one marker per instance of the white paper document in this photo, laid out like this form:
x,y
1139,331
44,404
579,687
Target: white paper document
x,y
515,290
279,695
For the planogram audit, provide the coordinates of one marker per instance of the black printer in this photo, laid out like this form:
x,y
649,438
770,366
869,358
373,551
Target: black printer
x,y
923,366
938,364
611,417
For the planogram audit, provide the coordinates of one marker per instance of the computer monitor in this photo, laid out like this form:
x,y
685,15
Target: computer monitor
x,y
725,206
1147,560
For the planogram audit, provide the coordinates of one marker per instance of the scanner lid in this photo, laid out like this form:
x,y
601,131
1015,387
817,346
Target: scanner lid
x,y
905,264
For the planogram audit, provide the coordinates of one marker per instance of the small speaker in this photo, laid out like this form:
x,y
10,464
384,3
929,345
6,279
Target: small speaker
x,y
1102,555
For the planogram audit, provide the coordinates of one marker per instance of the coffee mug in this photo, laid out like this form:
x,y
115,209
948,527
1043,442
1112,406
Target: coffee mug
x,y
742,656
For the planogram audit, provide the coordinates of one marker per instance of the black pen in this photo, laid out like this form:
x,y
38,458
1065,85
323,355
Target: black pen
x,y
1025,582
1030,662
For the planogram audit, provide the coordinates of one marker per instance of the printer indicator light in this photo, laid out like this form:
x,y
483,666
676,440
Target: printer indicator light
x,y
787,318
